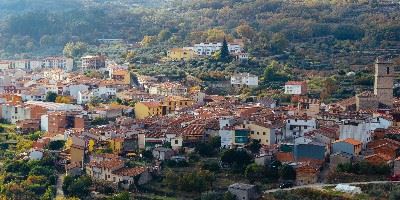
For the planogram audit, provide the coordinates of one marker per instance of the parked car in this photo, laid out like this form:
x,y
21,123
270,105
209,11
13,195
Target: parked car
x,y
286,185
394,178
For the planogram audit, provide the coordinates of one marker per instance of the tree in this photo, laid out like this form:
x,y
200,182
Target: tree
x,y
63,99
51,97
254,146
148,40
394,194
278,43
164,35
75,50
76,186
209,195
254,172
246,31
229,196
48,195
46,41
224,55
287,172
237,159
56,145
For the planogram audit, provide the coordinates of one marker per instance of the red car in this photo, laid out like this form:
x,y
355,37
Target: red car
x,y
394,178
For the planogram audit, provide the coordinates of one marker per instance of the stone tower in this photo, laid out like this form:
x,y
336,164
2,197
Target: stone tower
x,y
383,86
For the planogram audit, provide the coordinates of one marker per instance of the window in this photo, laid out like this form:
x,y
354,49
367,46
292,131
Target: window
x,y
387,70
176,141
264,133
252,132
258,133
288,121
305,127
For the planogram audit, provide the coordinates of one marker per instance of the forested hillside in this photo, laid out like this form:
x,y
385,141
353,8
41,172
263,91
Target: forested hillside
x,y
308,34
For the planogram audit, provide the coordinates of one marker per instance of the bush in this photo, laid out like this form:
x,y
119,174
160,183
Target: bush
x,y
173,163
211,166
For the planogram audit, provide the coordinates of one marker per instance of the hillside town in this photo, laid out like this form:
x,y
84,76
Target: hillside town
x,y
199,99
108,122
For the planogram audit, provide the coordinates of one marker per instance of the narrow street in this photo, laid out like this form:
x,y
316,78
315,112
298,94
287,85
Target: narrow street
x,y
60,180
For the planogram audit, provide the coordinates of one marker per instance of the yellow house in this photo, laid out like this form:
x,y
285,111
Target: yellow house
x,y
178,54
147,109
116,145
174,102
261,133
122,75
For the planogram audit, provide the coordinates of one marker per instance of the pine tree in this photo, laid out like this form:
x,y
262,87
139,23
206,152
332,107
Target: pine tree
x,y
224,54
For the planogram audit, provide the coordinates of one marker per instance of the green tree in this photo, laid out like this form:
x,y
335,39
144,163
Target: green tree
x,y
51,97
254,172
287,172
75,50
229,196
237,159
77,186
278,43
56,145
164,35
255,146
210,195
224,55
48,195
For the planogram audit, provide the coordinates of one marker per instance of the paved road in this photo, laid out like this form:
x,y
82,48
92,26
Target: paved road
x,y
60,180
321,185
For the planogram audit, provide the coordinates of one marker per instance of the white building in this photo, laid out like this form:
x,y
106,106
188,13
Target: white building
x,y
362,130
227,137
226,122
297,127
63,63
244,79
76,88
105,91
208,49
83,97
296,87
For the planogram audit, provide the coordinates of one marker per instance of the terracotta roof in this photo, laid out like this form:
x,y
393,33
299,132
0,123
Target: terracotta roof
x,y
108,164
130,171
151,104
284,156
350,141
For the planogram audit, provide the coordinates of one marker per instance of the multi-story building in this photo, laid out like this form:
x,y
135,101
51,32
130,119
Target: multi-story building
x,y
299,125
208,49
296,87
244,79
64,63
93,62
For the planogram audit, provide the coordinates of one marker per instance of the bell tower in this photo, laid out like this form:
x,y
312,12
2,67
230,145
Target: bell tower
x,y
383,85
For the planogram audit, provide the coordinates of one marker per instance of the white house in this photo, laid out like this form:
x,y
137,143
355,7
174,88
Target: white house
x,y
76,88
83,97
362,129
297,127
63,63
244,79
296,87
208,49
227,137
105,91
